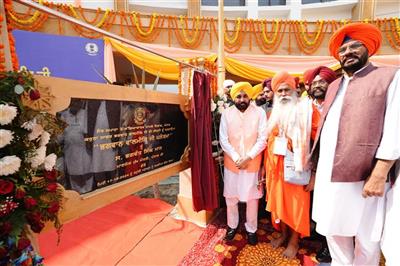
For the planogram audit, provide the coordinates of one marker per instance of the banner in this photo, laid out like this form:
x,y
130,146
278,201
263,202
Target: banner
x,y
60,56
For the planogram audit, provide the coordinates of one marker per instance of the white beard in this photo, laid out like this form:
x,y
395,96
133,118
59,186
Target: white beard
x,y
283,114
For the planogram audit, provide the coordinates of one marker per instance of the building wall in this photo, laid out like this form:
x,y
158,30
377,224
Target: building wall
x,y
256,9
387,8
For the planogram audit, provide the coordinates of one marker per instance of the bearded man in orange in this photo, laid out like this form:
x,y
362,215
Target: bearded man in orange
x,y
292,125
243,138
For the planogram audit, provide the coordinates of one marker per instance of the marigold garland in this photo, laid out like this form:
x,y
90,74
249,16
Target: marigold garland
x,y
82,15
304,45
395,44
11,40
275,32
183,41
2,55
30,20
268,48
133,28
99,24
237,28
268,40
314,36
193,35
230,46
138,24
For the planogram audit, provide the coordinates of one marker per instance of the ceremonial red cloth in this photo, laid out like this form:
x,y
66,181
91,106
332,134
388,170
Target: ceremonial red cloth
x,y
204,182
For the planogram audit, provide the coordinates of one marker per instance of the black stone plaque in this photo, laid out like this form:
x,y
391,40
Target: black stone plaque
x,y
110,141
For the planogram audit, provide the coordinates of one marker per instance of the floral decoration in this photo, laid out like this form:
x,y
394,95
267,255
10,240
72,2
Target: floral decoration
x,y
29,194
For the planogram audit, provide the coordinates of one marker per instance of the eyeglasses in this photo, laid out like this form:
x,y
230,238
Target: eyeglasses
x,y
352,47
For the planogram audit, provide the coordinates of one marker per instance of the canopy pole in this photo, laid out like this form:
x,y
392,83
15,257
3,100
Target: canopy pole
x,y
221,52
98,30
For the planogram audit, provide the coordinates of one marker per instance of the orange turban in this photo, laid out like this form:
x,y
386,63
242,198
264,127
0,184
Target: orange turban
x,y
257,89
241,86
367,34
283,77
324,72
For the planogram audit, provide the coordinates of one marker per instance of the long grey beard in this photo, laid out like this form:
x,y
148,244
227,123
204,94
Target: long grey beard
x,y
282,114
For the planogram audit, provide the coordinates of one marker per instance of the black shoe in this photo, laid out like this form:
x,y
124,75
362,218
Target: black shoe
x,y
323,255
230,233
252,238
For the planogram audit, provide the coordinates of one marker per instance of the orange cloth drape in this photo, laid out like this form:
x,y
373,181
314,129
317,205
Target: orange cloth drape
x,y
287,202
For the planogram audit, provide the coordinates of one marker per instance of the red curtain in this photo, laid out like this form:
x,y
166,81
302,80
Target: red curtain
x,y
204,183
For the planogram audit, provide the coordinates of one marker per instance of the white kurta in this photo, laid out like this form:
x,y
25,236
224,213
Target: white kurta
x,y
242,185
339,208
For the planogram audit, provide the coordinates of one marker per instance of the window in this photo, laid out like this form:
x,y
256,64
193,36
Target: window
x,y
315,1
271,2
226,2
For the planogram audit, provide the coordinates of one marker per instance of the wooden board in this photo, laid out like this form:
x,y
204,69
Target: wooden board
x,y
57,93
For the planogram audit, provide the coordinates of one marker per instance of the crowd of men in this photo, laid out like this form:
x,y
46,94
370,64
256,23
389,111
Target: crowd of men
x,y
338,139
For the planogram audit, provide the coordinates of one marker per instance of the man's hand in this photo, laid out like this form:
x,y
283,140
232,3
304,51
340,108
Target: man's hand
x,y
310,186
375,184
243,162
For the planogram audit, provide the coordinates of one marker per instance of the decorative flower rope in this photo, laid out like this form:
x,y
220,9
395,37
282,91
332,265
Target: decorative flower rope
x,y
30,20
99,24
275,32
237,29
268,48
193,35
268,35
138,23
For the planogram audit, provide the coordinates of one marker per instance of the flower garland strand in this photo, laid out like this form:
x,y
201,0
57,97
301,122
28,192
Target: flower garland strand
x,y
264,46
138,24
268,41
275,32
2,54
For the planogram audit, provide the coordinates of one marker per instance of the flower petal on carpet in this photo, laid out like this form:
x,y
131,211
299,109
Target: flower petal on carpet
x,y
263,254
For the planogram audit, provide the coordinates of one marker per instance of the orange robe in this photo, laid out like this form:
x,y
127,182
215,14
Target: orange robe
x,y
287,202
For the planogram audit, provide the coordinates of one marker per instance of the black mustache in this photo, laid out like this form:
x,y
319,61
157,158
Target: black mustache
x,y
351,57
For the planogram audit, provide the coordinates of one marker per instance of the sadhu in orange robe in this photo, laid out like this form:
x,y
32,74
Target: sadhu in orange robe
x,y
287,202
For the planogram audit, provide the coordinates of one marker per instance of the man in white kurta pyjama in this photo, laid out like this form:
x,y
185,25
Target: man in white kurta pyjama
x,y
243,138
351,214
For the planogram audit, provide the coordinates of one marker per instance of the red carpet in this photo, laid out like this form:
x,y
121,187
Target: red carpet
x,y
131,231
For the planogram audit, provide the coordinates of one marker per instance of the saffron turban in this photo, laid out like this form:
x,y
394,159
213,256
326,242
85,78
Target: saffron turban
x,y
281,78
241,86
324,72
267,83
367,34
257,89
